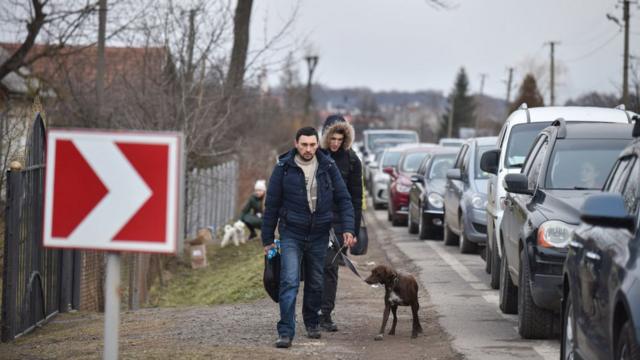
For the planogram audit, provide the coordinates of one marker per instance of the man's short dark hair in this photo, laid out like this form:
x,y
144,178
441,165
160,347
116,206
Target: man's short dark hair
x,y
307,131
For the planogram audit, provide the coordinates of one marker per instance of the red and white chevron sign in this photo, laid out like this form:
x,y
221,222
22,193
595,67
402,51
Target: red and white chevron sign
x,y
117,191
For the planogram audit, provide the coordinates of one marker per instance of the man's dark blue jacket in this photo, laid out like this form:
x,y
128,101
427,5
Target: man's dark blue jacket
x,y
287,201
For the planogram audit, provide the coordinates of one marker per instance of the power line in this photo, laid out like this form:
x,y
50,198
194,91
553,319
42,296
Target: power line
x,y
596,49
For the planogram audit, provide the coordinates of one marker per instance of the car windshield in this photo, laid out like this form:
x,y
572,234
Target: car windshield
x,y
439,166
412,161
520,140
481,150
582,164
390,159
387,140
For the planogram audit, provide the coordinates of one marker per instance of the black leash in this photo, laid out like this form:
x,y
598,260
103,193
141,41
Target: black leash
x,y
336,245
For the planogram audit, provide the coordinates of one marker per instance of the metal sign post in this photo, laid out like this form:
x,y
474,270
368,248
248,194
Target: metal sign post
x,y
112,306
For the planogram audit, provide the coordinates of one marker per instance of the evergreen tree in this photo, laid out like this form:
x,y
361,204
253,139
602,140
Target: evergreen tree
x,y
528,93
463,107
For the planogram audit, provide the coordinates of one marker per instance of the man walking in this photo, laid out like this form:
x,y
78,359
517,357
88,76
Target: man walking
x,y
303,189
337,137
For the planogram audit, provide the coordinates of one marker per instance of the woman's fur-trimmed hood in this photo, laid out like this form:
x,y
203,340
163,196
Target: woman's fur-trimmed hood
x,y
346,128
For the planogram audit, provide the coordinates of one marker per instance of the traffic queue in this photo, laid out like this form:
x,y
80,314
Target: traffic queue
x,y
551,205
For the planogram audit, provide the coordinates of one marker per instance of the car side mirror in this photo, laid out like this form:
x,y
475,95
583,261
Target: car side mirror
x,y
489,161
454,174
517,183
607,210
389,170
417,178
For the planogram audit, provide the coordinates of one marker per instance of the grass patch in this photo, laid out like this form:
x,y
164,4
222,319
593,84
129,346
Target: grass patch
x,y
234,275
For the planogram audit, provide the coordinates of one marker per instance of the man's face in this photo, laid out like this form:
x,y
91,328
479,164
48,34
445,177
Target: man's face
x,y
307,146
335,142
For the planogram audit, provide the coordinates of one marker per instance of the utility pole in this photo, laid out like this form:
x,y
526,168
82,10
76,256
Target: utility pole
x,y
552,44
482,77
100,65
450,122
509,81
625,66
312,62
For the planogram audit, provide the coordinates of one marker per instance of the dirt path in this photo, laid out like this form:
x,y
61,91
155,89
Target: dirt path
x,y
247,331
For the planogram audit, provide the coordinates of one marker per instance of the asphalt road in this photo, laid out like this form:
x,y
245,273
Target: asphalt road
x,y
460,293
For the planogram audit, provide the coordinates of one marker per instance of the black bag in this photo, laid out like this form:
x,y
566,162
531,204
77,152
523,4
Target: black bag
x,y
360,248
271,277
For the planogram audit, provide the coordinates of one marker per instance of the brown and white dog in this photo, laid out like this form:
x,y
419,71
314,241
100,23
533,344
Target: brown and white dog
x,y
400,289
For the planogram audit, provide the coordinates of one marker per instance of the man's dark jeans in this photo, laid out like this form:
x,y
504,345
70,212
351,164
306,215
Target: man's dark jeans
x,y
292,252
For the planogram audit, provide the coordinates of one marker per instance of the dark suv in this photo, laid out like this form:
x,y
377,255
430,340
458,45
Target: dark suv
x,y
601,301
567,162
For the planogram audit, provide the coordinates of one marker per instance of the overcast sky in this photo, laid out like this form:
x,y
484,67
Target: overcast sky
x,y
409,45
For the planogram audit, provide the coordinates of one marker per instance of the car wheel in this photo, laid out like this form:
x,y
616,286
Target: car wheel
x,y
534,322
450,239
568,344
423,230
396,220
495,265
413,227
508,294
466,246
627,348
487,259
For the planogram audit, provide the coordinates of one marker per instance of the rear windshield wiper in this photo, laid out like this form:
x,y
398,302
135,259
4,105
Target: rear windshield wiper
x,y
583,188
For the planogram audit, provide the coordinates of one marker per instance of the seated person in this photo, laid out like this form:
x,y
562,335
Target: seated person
x,y
251,214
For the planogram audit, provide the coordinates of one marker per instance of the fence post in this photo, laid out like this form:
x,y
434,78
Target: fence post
x,y
10,271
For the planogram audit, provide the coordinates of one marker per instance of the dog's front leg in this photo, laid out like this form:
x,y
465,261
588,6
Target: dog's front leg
x,y
417,328
394,308
385,317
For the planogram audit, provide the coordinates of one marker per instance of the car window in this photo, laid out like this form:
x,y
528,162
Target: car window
x,y
460,158
582,164
423,166
520,140
618,175
536,164
412,161
439,166
531,155
465,162
382,141
390,159
630,192
480,174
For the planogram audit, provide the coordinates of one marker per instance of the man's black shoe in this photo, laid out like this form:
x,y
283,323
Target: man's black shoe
x,y
314,332
283,342
327,324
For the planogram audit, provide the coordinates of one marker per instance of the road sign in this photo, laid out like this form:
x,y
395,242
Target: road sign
x,y
117,191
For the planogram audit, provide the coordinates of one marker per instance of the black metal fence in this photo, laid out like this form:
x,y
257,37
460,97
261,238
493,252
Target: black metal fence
x,y
37,282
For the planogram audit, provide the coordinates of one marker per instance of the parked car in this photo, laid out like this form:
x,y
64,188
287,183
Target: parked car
x,y
400,185
567,162
514,140
426,194
601,288
451,142
379,184
379,139
465,198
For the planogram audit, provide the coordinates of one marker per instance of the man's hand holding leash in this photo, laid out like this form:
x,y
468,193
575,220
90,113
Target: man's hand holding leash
x,y
349,239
